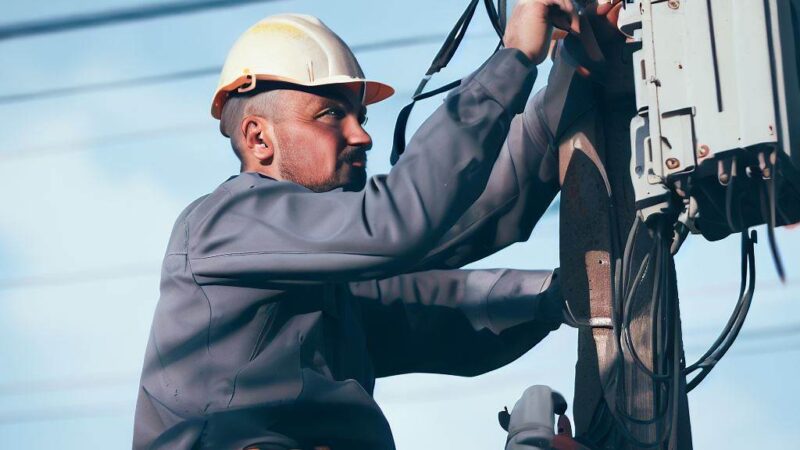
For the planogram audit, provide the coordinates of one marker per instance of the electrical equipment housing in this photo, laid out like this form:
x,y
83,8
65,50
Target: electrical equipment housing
x,y
718,98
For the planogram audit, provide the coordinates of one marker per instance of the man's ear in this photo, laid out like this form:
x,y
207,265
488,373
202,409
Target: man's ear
x,y
258,140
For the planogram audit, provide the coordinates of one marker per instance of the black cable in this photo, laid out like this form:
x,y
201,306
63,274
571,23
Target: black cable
x,y
446,52
663,293
114,16
676,356
621,416
502,13
440,61
659,311
626,255
711,361
769,217
729,197
494,17
747,302
627,321
734,315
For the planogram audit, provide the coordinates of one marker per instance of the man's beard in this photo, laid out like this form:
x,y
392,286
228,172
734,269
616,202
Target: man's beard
x,y
356,176
346,176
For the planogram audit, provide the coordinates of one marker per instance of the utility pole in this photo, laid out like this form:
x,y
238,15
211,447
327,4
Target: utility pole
x,y
594,158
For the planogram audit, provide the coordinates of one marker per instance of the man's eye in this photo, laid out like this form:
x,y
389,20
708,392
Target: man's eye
x,y
335,113
363,120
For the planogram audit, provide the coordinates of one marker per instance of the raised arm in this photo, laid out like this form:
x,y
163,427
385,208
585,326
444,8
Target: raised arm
x,y
525,177
253,226
459,322
522,184
257,229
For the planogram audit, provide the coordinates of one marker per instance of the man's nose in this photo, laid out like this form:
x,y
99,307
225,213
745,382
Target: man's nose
x,y
357,136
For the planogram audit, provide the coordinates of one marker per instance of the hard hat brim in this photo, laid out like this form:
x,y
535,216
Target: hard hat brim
x,y
374,91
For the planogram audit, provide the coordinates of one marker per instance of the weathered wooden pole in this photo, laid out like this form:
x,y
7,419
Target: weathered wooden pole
x,y
597,212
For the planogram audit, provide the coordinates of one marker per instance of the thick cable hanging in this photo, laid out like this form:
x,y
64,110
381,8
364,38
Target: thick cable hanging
x,y
440,61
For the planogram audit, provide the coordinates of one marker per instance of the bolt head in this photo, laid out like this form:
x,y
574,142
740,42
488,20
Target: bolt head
x,y
674,4
673,163
703,151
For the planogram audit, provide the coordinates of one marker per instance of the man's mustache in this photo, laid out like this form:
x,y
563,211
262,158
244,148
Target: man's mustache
x,y
357,154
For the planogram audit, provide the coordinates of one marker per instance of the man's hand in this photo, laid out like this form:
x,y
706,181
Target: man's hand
x,y
603,16
530,26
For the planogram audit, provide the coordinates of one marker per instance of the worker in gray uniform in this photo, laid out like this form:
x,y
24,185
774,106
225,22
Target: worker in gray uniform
x,y
289,289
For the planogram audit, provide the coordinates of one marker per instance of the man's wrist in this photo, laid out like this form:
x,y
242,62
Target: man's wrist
x,y
508,77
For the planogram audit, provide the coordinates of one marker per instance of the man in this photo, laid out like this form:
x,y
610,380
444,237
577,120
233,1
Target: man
x,y
295,284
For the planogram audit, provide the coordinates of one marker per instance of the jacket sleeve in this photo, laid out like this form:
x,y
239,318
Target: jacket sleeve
x,y
282,231
522,184
458,322
524,179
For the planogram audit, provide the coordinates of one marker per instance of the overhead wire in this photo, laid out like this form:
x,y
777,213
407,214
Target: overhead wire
x,y
105,380
114,16
120,409
79,145
158,132
21,416
122,271
199,72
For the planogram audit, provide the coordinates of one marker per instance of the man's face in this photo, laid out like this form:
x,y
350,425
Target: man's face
x,y
319,139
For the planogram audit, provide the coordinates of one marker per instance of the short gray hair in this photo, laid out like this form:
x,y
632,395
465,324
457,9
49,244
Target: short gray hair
x,y
238,106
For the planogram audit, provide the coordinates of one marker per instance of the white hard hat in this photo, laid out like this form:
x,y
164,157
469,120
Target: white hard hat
x,y
292,48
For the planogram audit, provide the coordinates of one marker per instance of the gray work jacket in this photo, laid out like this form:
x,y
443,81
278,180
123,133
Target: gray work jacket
x,y
280,306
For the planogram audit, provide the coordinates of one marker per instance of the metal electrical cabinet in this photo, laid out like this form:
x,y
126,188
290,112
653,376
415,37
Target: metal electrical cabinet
x,y
718,99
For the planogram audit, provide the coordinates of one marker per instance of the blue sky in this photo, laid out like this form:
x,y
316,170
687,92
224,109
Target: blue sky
x,y
71,353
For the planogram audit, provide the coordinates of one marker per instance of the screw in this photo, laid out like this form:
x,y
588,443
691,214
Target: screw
x,y
673,163
674,4
703,151
724,178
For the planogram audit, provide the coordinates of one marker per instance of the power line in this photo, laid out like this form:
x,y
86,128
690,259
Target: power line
x,y
80,145
120,409
198,72
772,332
110,85
762,333
114,16
132,270
766,350
65,413
62,384
107,380
123,271
132,136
